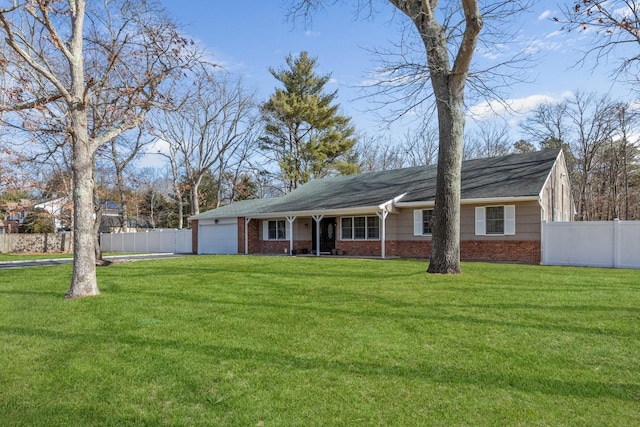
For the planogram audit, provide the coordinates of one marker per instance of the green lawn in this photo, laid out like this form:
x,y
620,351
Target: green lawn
x,y
27,256
268,341
12,257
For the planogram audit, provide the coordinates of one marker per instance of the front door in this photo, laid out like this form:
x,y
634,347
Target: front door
x,y
327,235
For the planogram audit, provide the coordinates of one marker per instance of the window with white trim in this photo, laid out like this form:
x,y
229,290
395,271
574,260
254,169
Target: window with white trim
x,y
360,228
422,222
496,220
275,230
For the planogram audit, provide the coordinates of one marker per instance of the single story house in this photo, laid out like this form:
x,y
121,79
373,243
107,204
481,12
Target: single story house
x,y
504,201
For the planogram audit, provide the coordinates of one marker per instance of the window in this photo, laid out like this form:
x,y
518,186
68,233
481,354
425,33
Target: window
x,y
360,228
496,220
275,230
373,227
347,228
422,222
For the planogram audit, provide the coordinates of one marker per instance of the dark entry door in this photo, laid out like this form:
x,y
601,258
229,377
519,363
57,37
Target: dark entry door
x,y
327,235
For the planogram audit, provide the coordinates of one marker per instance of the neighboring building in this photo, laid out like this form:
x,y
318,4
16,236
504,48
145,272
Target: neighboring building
x,y
58,209
14,214
111,221
503,203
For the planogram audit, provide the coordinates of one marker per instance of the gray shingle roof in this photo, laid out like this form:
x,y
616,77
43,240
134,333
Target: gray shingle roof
x,y
516,175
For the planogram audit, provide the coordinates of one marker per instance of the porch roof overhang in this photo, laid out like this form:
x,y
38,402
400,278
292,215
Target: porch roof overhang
x,y
362,210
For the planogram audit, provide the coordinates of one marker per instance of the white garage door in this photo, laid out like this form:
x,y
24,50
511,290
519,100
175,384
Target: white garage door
x,y
220,238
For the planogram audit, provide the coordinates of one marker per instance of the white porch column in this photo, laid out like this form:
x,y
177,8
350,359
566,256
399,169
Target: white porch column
x,y
291,219
317,219
383,233
246,235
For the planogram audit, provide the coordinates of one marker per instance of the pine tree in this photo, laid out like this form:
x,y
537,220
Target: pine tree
x,y
305,133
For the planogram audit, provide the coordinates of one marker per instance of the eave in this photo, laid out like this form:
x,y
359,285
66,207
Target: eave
x,y
476,201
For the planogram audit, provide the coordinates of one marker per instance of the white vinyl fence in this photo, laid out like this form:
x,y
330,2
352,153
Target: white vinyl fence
x,y
592,243
164,241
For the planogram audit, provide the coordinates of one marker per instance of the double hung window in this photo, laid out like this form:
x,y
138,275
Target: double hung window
x,y
360,228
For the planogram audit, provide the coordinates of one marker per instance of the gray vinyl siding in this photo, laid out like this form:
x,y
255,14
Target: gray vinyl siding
x,y
527,222
400,225
556,195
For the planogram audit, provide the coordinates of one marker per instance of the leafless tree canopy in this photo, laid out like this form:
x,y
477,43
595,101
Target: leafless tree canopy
x,y
97,67
612,28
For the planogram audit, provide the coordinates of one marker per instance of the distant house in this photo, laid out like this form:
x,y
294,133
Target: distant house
x,y
112,219
57,208
504,201
14,214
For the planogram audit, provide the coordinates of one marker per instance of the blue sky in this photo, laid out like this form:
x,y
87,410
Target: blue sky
x,y
250,36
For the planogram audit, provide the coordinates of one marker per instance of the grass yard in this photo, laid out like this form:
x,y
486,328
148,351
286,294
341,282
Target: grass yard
x,y
27,256
12,257
267,341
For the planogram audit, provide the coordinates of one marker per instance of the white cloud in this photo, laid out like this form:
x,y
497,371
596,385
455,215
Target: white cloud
x,y
545,14
310,33
512,107
555,34
154,154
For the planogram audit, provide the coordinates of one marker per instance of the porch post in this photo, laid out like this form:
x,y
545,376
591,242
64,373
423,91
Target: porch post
x,y
317,219
291,219
246,235
383,234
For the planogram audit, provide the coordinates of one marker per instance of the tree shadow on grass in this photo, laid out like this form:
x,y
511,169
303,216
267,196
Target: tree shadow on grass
x,y
424,371
394,310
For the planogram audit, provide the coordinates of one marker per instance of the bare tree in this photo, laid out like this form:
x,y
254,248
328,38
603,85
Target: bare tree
x,y
547,124
449,34
591,119
420,147
583,126
489,139
123,151
378,154
614,27
72,52
211,123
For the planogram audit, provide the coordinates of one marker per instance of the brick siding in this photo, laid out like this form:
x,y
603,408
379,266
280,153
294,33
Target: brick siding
x,y
480,250
194,236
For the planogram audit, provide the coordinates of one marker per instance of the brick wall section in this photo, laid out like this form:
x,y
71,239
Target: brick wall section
x,y
194,236
495,250
299,245
409,248
360,247
481,250
254,237
504,250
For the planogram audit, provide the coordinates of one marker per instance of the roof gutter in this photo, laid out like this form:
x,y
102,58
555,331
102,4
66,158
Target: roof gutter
x,y
477,201
309,213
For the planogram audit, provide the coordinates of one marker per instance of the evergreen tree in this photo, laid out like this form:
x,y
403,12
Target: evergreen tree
x,y
304,133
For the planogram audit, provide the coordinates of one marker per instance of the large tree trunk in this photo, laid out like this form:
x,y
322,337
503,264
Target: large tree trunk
x,y
448,87
445,241
83,280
